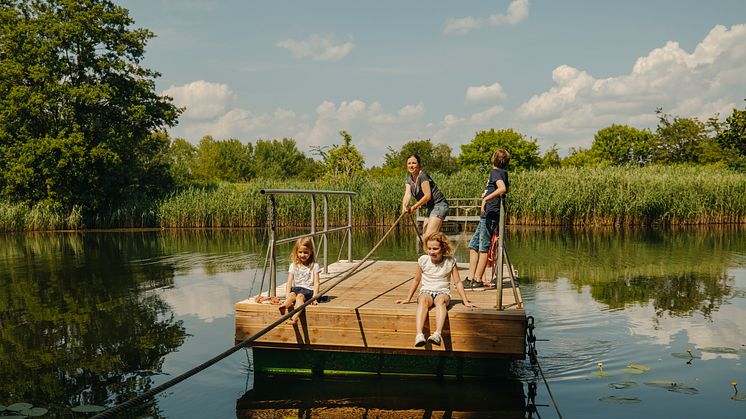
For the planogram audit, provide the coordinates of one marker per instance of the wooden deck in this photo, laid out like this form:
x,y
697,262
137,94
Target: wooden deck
x,y
362,316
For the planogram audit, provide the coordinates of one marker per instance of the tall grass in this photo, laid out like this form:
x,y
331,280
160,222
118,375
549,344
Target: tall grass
x,y
611,196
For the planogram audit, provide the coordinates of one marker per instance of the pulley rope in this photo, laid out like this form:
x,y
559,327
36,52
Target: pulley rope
x,y
534,358
247,342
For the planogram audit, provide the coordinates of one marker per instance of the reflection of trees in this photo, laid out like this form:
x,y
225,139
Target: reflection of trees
x,y
77,323
675,295
681,271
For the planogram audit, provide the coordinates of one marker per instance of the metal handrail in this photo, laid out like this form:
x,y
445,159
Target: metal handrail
x,y
503,253
273,241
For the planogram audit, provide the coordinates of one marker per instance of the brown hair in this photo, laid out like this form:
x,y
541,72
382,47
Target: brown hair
x,y
303,242
441,238
501,158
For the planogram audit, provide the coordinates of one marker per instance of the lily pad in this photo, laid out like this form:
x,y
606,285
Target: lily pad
x,y
619,400
2,408
673,386
636,369
741,397
685,355
17,407
34,411
88,408
619,385
718,350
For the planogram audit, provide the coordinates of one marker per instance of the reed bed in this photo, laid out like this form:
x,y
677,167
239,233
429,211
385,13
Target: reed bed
x,y
610,196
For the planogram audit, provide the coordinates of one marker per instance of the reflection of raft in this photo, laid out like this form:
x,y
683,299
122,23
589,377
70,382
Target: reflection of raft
x,y
346,397
362,317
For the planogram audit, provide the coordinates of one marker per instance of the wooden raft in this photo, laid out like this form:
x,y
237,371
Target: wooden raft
x,y
362,316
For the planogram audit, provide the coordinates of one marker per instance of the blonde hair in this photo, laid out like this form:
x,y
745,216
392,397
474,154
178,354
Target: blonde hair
x,y
445,245
303,242
500,158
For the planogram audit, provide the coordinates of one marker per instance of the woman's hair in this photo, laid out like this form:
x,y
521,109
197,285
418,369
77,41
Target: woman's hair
x,y
416,157
445,245
501,158
303,242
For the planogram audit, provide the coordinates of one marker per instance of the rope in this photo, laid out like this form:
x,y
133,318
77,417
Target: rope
x,y
533,356
170,383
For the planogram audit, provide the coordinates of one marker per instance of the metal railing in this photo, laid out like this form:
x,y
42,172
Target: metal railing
x,y
502,255
273,241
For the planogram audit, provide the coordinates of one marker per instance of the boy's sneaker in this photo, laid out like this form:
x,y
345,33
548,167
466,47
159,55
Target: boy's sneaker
x,y
434,339
467,283
419,340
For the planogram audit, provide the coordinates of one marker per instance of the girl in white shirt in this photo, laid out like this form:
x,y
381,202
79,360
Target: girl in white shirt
x,y
435,272
303,277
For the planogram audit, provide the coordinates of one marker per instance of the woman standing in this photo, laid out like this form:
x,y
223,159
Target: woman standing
x,y
422,187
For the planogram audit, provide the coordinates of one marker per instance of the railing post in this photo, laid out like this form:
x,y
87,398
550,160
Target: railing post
x,y
326,228
500,236
313,218
349,228
272,238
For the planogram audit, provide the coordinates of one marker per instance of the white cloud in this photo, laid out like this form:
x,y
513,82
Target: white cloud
x,y
484,94
319,47
706,81
202,99
487,115
517,11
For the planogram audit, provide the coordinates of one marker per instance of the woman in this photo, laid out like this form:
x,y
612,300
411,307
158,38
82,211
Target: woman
x,y
420,185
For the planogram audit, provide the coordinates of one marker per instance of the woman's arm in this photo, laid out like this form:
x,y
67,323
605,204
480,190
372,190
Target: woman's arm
x,y
407,197
460,287
415,285
426,195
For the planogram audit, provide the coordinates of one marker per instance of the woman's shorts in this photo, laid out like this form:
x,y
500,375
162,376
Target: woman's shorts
x,y
482,237
434,294
305,291
439,210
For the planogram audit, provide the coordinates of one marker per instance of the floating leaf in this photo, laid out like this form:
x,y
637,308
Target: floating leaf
x,y
622,385
2,408
17,407
673,386
685,355
643,368
619,400
88,408
34,411
719,350
741,397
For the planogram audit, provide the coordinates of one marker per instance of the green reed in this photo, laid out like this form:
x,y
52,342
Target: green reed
x,y
613,196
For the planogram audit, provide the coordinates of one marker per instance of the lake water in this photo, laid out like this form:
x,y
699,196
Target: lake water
x,y
97,318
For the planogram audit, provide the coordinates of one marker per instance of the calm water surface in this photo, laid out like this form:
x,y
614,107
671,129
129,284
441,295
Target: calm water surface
x,y
97,318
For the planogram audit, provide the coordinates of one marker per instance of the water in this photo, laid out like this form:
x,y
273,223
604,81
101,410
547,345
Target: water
x,y
97,318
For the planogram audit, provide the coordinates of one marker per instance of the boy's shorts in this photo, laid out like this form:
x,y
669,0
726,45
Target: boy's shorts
x,y
482,237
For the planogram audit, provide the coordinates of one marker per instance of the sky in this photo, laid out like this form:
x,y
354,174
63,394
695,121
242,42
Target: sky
x,y
389,72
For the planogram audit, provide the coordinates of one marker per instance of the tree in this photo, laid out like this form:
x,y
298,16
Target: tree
x,y
182,155
341,161
524,154
622,144
732,134
684,140
551,158
77,110
580,157
275,159
435,158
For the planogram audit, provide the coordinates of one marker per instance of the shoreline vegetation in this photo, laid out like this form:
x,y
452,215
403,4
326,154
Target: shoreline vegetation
x,y
568,196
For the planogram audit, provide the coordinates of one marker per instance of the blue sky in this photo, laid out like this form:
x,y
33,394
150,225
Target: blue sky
x,y
392,71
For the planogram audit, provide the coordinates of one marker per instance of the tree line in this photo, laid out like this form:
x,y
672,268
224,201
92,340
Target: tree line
x,y
82,126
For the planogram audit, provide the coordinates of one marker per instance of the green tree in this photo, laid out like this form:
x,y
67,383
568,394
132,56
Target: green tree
x,y
524,154
182,155
281,159
435,158
77,109
684,140
341,161
581,157
551,158
731,136
622,144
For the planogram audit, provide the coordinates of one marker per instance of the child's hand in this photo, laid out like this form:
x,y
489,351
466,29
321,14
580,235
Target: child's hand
x,y
315,302
402,301
470,304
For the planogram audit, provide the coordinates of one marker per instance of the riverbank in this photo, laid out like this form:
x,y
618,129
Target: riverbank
x,y
615,196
